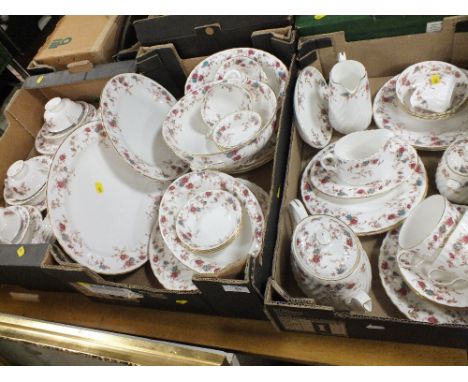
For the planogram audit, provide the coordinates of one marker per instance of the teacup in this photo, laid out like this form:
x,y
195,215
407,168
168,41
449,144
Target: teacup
x,y
237,129
425,231
328,261
362,157
26,179
452,172
241,68
450,269
223,99
349,101
12,225
62,113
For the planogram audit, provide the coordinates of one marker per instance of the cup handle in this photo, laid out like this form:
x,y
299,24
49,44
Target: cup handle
x,y
297,211
361,300
328,162
235,75
453,184
405,261
444,283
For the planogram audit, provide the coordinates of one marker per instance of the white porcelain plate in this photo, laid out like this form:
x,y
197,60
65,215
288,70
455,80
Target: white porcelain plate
x,y
423,134
406,160
311,108
205,71
101,211
209,220
247,243
133,108
372,214
408,302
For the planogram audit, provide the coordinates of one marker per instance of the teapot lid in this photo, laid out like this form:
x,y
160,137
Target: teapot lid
x,y
457,156
326,247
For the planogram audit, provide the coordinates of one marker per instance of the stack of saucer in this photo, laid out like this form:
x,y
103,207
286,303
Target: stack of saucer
x,y
424,264
61,117
26,181
425,105
369,180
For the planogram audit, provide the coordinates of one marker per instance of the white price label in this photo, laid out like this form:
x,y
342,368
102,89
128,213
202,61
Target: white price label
x,y
434,26
236,288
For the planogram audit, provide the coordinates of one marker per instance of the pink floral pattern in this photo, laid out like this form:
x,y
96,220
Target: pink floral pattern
x,y
110,259
205,71
457,157
403,297
421,133
404,162
236,129
248,68
445,175
192,183
115,89
366,216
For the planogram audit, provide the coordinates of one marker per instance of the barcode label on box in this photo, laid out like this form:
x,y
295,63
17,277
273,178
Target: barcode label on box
x,y
110,291
434,26
236,288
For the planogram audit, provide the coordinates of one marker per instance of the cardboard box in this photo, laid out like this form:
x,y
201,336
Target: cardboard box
x,y
77,39
287,307
239,297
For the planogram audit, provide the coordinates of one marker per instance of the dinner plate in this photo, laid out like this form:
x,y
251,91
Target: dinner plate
x,y
101,211
248,242
372,214
424,134
405,161
404,298
311,108
170,272
133,108
205,71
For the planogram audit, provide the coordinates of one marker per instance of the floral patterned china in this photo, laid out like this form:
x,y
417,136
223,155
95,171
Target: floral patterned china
x,y
328,261
209,220
405,160
102,212
424,134
223,99
230,258
38,231
241,68
403,297
430,88
205,72
452,172
237,129
14,222
369,215
311,108
62,114
349,100
133,108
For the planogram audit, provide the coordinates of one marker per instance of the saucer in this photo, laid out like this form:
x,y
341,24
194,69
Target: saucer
x,y
209,220
311,108
371,215
408,302
87,185
39,200
424,134
405,162
205,71
133,108
248,242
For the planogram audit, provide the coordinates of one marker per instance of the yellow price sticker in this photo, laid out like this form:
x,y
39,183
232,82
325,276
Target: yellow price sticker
x,y
435,79
99,187
182,302
39,79
21,251
319,17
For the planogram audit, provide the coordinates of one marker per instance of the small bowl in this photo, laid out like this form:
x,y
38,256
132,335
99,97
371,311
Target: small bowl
x,y
62,114
14,222
26,178
237,129
422,79
241,68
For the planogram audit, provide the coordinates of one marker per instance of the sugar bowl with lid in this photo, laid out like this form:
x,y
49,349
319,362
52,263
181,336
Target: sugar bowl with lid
x,y
328,261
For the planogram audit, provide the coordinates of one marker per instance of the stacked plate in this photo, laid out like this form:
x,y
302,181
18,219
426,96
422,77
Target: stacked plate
x,y
425,105
61,117
227,119
209,224
423,265
369,180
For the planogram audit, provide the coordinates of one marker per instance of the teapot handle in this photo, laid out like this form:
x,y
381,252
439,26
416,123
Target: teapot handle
x,y
297,211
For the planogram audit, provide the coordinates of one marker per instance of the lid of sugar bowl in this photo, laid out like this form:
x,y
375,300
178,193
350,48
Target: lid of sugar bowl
x,y
457,156
327,248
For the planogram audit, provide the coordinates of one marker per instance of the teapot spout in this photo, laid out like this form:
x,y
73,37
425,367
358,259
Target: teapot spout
x,y
361,300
